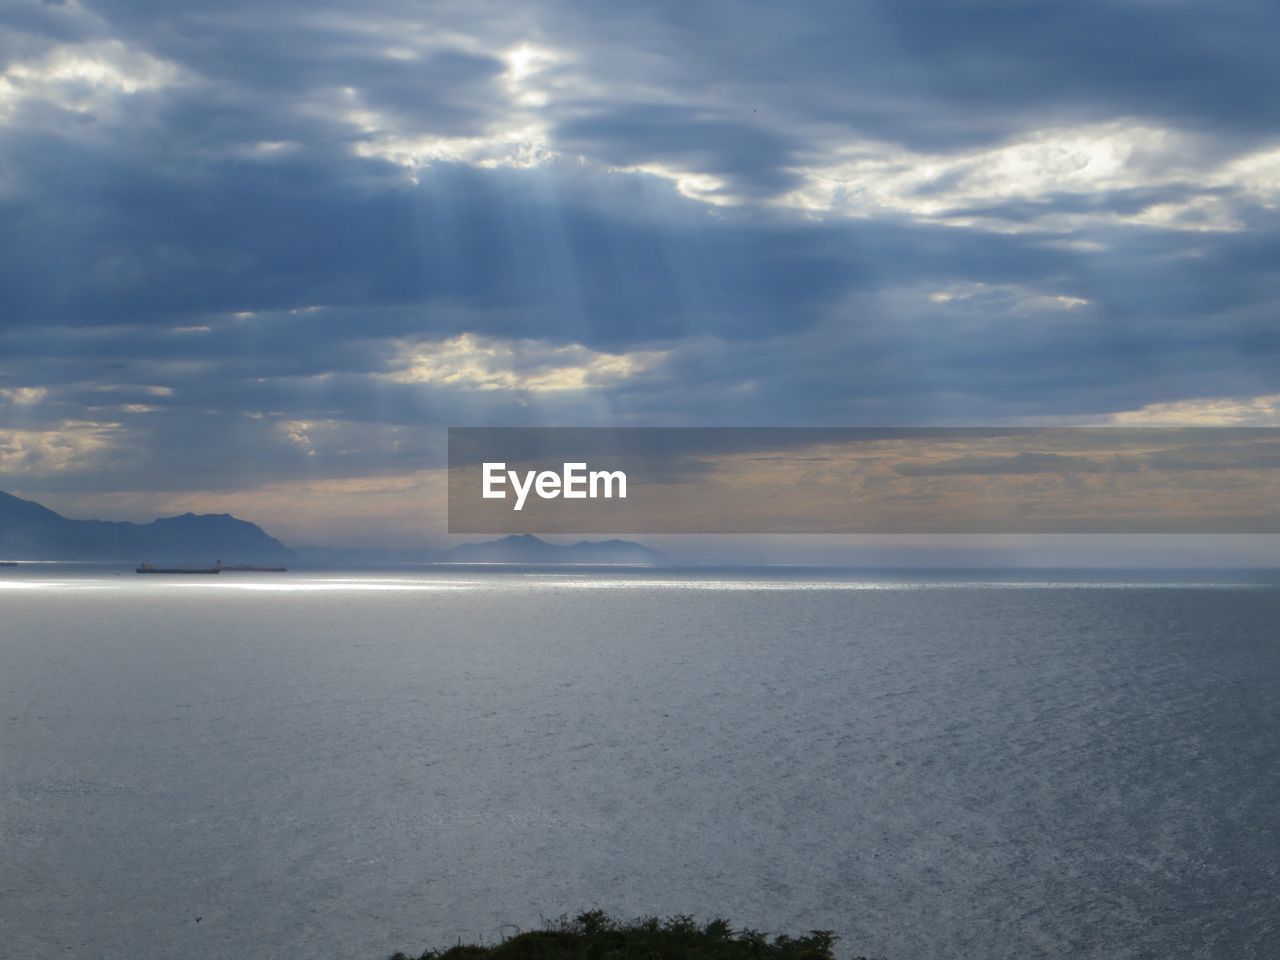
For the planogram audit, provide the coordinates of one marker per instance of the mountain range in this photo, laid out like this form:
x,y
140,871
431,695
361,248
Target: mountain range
x,y
31,531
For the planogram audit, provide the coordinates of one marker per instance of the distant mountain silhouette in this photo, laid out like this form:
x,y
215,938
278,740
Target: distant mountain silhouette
x,y
31,531
529,549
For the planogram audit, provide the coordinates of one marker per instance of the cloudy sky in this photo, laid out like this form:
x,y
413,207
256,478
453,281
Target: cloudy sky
x,y
258,256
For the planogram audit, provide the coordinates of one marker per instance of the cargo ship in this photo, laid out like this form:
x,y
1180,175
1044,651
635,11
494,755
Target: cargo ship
x,y
248,568
148,568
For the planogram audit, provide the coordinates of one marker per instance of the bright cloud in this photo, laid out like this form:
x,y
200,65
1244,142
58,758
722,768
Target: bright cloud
x,y
968,187
23,396
1263,411
526,365
84,78
516,136
74,445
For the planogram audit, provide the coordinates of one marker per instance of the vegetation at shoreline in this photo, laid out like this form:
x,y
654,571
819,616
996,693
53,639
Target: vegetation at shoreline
x,y
596,936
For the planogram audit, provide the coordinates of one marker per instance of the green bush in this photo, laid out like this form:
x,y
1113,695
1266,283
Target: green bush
x,y
596,936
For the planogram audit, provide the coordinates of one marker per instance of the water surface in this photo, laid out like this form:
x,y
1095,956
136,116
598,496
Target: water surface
x,y
345,764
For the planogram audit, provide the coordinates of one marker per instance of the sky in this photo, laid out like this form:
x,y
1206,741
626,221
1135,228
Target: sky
x,y
257,257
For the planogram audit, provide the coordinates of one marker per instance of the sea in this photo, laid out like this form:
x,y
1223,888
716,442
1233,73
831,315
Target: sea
x,y
932,764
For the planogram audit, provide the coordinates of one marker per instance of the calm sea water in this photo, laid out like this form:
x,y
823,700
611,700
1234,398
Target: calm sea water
x,y
341,765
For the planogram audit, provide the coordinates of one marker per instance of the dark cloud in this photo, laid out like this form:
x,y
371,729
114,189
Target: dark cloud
x,y
1188,63
630,135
